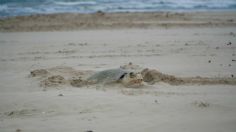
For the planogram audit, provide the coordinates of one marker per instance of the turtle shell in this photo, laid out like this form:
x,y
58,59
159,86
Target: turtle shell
x,y
108,76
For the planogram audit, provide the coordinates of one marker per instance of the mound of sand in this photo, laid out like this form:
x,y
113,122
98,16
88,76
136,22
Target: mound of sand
x,y
58,76
152,76
53,81
79,82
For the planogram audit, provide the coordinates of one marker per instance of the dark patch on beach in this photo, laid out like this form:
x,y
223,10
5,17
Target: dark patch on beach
x,y
39,73
201,104
18,130
229,43
22,112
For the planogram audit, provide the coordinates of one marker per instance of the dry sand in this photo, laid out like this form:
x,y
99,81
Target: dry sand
x,y
192,50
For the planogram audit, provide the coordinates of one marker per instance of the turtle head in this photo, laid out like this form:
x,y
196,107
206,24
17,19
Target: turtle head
x,y
132,79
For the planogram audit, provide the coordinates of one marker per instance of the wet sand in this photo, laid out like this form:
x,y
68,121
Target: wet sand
x,y
100,20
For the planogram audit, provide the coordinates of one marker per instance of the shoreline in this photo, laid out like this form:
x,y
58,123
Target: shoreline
x,y
101,20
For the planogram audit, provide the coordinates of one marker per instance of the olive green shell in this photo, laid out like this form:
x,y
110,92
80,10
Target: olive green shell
x,y
108,76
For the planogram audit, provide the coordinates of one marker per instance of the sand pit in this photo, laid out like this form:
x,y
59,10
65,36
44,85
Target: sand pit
x,y
57,76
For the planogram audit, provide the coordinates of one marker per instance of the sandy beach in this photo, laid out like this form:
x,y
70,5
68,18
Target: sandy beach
x,y
185,45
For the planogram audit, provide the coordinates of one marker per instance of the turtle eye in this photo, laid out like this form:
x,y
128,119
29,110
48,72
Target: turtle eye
x,y
131,74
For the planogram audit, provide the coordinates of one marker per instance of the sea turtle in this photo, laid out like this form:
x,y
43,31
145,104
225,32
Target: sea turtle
x,y
126,77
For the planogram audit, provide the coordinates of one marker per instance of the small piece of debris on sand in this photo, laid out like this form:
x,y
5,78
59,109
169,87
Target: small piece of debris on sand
x,y
18,130
60,95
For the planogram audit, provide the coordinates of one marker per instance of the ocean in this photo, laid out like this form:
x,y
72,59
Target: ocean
x,y
10,8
